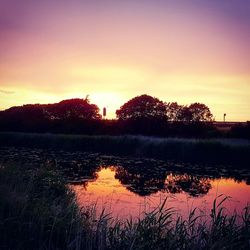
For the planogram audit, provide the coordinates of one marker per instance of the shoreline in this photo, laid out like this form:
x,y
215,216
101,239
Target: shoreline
x,y
212,151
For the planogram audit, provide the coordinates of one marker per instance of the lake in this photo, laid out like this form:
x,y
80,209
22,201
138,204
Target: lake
x,y
130,187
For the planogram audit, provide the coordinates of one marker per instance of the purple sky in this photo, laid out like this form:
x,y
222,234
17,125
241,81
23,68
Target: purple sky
x,y
178,50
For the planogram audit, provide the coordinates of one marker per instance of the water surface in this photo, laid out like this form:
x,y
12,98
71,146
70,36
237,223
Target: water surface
x,y
130,187
124,194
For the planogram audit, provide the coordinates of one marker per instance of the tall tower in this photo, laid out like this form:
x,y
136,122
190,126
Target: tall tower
x,y
104,112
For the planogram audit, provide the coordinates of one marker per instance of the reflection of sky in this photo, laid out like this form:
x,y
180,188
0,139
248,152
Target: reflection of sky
x,y
114,50
109,193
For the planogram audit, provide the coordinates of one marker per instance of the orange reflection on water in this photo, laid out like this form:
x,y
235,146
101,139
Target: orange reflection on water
x,y
122,200
108,193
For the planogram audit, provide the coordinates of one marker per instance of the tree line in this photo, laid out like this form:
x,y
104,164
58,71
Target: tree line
x,y
144,114
140,107
148,107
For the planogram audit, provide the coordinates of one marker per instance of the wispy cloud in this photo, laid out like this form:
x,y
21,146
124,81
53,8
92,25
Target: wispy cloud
x,y
7,92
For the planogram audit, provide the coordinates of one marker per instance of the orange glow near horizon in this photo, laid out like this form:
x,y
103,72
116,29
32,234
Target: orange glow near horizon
x,y
174,50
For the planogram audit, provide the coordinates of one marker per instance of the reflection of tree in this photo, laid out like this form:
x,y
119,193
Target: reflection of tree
x,y
141,183
193,185
149,182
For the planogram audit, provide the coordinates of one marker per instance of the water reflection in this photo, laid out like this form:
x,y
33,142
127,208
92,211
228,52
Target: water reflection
x,y
131,194
132,186
193,185
147,183
141,183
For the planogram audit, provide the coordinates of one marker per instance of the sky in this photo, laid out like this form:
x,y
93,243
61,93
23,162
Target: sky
x,y
112,50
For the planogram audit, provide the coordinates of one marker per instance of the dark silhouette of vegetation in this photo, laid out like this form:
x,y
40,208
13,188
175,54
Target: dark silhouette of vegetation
x,y
241,130
148,115
142,107
188,150
72,109
38,114
147,107
142,115
195,112
173,111
199,112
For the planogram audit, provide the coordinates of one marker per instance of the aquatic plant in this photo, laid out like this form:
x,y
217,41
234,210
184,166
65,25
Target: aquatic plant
x,y
233,152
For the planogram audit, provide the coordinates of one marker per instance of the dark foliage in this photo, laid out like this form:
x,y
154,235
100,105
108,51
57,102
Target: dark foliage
x,y
195,112
40,117
142,107
241,130
142,115
187,150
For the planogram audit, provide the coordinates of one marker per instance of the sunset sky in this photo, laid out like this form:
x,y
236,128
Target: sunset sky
x,y
178,50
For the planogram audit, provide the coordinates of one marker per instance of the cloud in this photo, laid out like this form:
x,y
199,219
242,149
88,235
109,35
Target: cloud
x,y
7,92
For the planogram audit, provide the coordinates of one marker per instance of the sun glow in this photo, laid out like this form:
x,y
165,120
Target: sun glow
x,y
111,101
168,49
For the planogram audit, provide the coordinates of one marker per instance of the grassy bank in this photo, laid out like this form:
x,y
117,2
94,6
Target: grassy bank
x,y
222,151
38,211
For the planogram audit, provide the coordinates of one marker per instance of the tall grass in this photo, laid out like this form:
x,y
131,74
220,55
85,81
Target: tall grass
x,y
39,211
233,152
36,210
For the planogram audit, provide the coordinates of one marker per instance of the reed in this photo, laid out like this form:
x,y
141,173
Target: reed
x,y
39,211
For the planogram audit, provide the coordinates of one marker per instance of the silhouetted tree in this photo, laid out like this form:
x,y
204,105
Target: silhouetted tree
x,y
145,115
200,112
196,112
185,114
74,116
73,108
142,107
173,111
